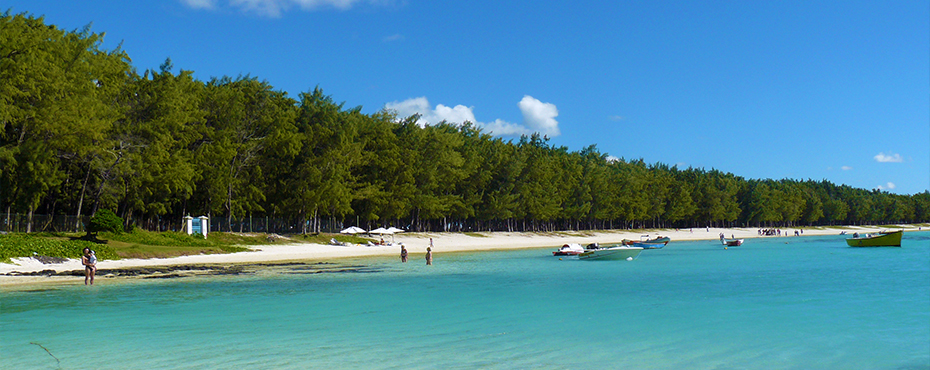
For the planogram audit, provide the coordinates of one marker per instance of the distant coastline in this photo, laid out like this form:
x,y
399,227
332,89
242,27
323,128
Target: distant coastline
x,y
326,258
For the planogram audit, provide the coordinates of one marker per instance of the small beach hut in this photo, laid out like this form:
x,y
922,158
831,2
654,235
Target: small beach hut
x,y
197,225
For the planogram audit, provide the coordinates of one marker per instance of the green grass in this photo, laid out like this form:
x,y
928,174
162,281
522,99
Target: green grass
x,y
146,244
135,244
26,245
323,238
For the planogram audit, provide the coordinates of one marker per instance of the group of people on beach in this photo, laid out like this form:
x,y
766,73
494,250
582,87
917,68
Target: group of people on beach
x,y
429,253
777,232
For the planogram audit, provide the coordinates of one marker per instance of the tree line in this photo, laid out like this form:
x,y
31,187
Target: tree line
x,y
82,130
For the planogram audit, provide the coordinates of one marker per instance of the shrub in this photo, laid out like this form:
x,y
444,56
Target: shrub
x,y
105,221
26,245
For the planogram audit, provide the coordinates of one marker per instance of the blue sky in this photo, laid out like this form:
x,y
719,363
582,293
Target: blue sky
x,y
835,90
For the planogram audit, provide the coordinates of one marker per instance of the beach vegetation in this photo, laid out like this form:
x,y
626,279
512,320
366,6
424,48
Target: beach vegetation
x,y
32,245
325,238
82,131
105,221
135,244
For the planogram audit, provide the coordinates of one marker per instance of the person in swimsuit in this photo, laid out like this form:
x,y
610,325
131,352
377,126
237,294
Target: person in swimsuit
x,y
89,260
403,253
429,256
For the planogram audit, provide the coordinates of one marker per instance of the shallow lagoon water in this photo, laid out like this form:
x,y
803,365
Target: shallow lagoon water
x,y
786,303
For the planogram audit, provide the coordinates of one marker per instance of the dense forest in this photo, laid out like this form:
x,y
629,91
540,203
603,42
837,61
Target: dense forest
x,y
82,130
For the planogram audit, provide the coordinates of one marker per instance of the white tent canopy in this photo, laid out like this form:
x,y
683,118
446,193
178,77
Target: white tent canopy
x,y
381,231
390,231
353,230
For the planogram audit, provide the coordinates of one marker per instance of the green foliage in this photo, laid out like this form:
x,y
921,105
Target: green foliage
x,y
138,243
224,241
27,245
56,106
105,221
81,130
324,238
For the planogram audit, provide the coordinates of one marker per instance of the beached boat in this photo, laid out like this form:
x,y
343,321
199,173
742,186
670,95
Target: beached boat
x,y
882,239
646,243
617,252
573,249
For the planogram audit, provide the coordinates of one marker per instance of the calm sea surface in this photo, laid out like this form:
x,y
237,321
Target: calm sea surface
x,y
774,303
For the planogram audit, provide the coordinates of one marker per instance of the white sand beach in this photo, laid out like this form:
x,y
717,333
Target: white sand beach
x,y
416,243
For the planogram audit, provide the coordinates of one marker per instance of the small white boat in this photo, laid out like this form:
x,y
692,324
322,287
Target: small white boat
x,y
617,252
730,242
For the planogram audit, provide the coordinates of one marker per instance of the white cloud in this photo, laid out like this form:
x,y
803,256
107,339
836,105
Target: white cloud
x,y
504,128
394,37
428,115
884,158
537,116
846,168
313,4
456,114
200,4
274,8
409,107
887,186
269,8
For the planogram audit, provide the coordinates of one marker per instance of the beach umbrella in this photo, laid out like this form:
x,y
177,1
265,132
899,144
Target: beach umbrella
x,y
353,230
393,231
381,231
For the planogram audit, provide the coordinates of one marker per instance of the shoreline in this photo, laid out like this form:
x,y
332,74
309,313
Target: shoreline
x,y
29,271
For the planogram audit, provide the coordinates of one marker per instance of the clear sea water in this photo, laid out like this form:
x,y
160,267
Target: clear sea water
x,y
773,303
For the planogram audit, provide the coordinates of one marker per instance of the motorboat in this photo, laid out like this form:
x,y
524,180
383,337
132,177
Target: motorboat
x,y
730,242
645,243
882,239
572,249
616,252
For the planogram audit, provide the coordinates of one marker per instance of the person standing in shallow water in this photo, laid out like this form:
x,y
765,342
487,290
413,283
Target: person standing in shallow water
x,y
403,253
90,268
429,256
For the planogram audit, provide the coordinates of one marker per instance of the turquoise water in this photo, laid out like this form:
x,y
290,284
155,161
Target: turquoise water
x,y
775,303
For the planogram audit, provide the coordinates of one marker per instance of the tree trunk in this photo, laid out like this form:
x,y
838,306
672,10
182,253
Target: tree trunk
x,y
29,220
77,222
